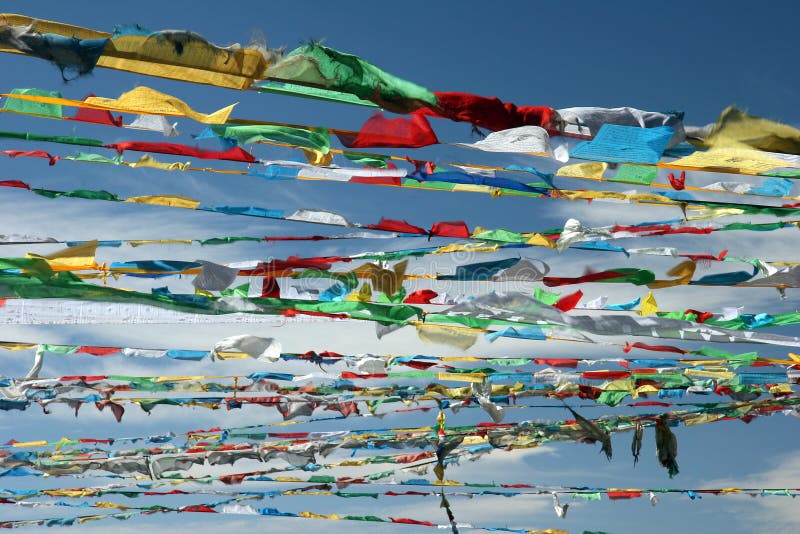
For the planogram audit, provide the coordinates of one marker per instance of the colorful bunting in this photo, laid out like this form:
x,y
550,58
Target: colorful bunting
x,y
617,145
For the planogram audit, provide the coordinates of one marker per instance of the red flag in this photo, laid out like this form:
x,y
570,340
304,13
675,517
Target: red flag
x,y
416,364
553,281
292,262
14,183
391,225
568,302
401,132
32,154
709,257
348,374
198,508
270,288
588,392
605,375
97,116
614,495
407,521
232,154
98,351
558,362
421,296
76,378
488,112
662,229
701,316
655,348
394,181
294,313
450,229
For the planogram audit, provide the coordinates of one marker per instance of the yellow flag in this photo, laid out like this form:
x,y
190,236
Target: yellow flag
x,y
106,504
745,161
704,373
151,102
465,247
231,355
384,280
645,390
623,384
315,157
362,295
474,188
682,272
781,389
312,515
10,345
140,242
175,201
460,359
67,493
705,212
77,257
41,443
737,129
447,483
450,392
456,336
583,170
149,161
198,61
477,378
649,306
540,240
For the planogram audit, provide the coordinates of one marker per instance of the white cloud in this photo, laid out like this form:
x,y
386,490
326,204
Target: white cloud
x,y
772,513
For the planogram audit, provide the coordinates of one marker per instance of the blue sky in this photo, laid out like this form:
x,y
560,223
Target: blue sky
x,y
690,56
